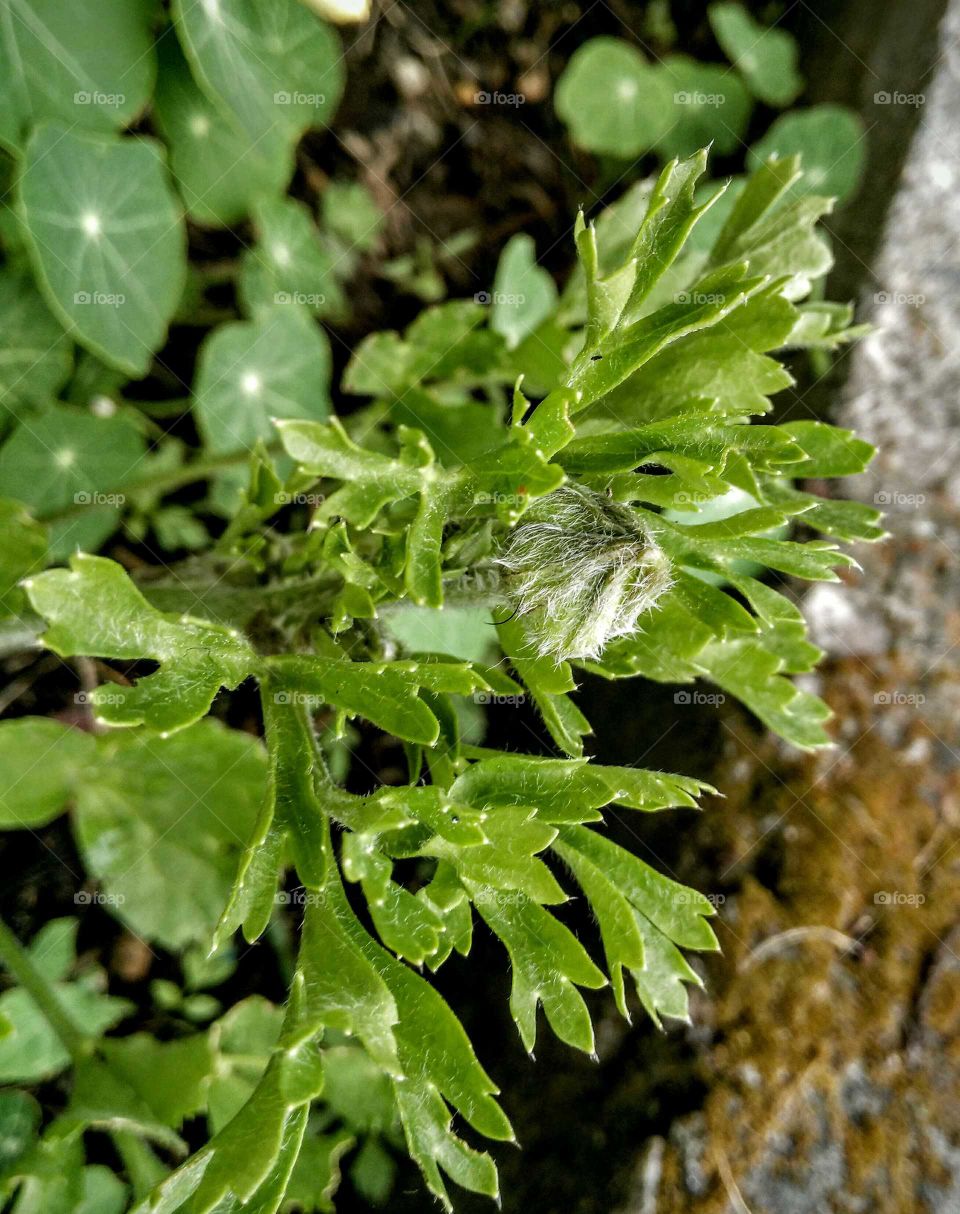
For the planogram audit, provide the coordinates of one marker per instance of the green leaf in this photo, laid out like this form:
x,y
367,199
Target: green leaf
x,y
271,68
41,762
152,806
524,294
548,683
95,72
34,350
711,106
23,550
65,459
249,372
613,101
106,239
665,915
31,1051
344,989
19,1123
197,658
831,143
289,264
765,57
548,964
219,171
377,691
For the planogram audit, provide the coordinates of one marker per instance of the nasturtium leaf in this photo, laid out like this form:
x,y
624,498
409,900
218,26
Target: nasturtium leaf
x,y
288,264
271,67
94,71
765,56
251,371
69,463
524,294
831,143
710,103
220,172
612,100
107,240
94,609
34,350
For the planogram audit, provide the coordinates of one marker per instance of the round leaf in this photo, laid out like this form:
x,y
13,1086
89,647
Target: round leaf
x,y
219,170
107,239
253,371
765,56
271,66
613,101
711,105
830,140
93,68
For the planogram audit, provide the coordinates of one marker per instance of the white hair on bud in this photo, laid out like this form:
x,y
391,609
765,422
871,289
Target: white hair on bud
x,y
581,569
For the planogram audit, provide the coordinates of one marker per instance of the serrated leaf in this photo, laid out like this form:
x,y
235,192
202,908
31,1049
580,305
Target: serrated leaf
x,y
106,239
548,964
94,609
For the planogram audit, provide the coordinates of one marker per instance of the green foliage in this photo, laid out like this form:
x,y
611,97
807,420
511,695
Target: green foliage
x,y
346,577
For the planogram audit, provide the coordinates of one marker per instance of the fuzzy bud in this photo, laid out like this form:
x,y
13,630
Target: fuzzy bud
x,y
581,570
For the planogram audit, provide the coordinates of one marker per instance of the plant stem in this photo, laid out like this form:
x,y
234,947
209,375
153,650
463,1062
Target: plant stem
x,y
21,965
